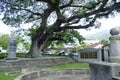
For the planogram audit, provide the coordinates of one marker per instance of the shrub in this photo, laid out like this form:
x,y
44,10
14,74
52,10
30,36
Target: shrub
x,y
18,54
3,55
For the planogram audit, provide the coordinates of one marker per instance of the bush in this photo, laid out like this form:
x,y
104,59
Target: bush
x,y
71,55
18,54
3,55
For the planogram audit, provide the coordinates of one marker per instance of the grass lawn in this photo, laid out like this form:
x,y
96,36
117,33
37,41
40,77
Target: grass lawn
x,y
71,65
5,77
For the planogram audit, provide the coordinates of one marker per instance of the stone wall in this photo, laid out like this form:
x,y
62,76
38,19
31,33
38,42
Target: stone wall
x,y
44,73
104,71
33,63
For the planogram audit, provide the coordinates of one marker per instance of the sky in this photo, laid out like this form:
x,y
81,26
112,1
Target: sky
x,y
106,24
4,28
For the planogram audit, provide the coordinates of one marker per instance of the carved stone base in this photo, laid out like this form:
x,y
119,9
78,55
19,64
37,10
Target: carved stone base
x,y
115,59
11,58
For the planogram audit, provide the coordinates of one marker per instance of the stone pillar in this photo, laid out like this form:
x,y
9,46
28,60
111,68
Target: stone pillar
x,y
114,45
11,50
108,70
99,54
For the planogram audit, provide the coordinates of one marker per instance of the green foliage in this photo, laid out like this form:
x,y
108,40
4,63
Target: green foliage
x,y
32,31
77,36
3,55
55,51
4,41
18,54
105,42
73,50
26,45
19,40
91,4
82,12
66,36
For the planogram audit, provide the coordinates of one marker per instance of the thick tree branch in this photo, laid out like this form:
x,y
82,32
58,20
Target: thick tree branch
x,y
80,26
78,6
56,39
99,10
104,2
38,14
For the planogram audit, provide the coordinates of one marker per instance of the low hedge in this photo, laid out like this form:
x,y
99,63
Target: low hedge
x,y
18,54
3,55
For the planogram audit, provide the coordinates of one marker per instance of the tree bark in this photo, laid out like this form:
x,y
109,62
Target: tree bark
x,y
34,50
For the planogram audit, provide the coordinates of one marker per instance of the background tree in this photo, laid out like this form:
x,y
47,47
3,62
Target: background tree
x,y
52,16
19,40
105,42
27,45
4,41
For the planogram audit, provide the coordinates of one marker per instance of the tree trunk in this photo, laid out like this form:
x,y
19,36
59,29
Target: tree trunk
x,y
34,49
41,38
38,45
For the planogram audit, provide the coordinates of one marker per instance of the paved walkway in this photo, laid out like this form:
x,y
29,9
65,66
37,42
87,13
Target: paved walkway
x,y
65,77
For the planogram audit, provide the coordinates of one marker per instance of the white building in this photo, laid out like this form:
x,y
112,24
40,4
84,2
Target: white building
x,y
95,45
91,41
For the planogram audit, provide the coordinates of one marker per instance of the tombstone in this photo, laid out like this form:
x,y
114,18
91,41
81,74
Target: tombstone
x,y
11,49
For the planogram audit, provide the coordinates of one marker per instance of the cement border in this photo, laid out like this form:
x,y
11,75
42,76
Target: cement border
x,y
44,73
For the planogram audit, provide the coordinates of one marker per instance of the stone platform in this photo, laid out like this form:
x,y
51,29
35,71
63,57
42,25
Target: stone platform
x,y
104,71
33,63
65,77
60,74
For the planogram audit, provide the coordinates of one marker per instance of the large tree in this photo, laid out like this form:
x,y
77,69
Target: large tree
x,y
52,16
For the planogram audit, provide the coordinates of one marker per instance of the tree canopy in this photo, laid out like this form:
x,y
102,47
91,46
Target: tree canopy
x,y
53,17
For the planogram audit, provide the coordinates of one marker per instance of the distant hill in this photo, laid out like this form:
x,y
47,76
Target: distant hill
x,y
100,35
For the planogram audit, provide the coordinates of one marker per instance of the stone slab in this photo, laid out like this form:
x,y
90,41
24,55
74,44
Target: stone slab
x,y
103,70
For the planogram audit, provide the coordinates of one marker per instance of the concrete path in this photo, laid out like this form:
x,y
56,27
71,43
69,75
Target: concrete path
x,y
65,77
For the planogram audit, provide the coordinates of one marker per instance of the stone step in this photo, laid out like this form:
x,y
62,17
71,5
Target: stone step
x,y
116,77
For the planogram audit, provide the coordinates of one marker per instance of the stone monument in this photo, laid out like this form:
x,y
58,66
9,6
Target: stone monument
x,y
11,49
115,45
100,70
